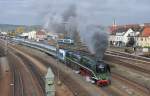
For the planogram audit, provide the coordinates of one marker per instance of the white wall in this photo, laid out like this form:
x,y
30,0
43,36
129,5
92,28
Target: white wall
x,y
143,41
125,37
32,35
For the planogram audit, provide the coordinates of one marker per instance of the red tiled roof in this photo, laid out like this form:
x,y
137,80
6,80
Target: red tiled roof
x,y
115,29
146,32
40,33
123,28
111,29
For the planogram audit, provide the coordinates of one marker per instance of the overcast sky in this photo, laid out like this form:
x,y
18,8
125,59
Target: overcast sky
x,y
98,11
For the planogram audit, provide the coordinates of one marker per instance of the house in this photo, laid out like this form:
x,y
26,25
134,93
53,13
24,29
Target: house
x,y
3,33
24,35
111,39
52,36
120,35
29,35
144,38
123,35
32,35
40,35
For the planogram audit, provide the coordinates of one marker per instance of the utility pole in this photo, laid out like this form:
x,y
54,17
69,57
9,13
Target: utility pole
x,y
57,61
6,45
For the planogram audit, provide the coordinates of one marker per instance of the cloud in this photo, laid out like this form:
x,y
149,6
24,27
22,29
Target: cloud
x,y
97,11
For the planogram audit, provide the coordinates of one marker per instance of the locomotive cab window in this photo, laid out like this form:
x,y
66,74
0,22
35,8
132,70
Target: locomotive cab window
x,y
101,68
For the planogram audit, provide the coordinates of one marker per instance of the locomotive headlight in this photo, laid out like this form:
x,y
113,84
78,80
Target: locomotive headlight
x,y
101,66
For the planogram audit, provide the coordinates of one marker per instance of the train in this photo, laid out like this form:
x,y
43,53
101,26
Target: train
x,y
96,71
66,41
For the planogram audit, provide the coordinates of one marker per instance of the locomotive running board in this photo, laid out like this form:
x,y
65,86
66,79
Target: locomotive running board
x,y
82,66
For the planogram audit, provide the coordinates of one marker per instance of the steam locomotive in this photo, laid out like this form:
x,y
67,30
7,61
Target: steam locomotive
x,y
97,71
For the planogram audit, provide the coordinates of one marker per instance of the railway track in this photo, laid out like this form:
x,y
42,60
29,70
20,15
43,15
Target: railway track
x,y
141,64
76,93
19,80
39,78
18,88
130,56
145,68
109,90
29,74
134,85
73,81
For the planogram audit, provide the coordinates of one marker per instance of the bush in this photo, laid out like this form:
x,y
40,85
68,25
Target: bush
x,y
129,50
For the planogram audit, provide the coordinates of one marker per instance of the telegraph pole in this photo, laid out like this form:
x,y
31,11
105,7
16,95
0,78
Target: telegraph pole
x,y
6,46
57,61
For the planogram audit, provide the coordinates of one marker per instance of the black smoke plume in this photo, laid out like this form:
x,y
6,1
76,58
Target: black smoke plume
x,y
96,38
69,13
100,43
